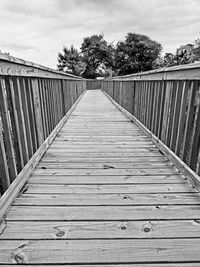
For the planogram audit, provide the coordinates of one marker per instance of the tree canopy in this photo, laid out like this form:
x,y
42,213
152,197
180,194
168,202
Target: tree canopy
x,y
99,58
137,53
69,60
96,54
185,54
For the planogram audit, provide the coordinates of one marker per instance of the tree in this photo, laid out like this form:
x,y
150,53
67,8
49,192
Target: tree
x,y
137,53
97,55
185,54
69,60
197,49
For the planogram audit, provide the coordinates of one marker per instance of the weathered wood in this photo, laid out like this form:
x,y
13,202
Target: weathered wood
x,y
180,165
180,72
134,159
5,120
177,106
108,171
25,230
21,121
107,188
103,196
100,251
105,199
31,114
18,67
165,179
21,179
15,117
26,117
4,174
91,213
37,109
91,165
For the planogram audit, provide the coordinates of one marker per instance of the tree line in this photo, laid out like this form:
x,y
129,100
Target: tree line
x,y
135,53
97,57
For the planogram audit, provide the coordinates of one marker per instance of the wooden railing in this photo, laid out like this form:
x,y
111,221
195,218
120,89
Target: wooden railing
x,y
33,99
167,102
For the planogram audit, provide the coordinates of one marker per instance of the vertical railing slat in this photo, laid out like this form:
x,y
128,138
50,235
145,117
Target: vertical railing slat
x,y
4,174
6,121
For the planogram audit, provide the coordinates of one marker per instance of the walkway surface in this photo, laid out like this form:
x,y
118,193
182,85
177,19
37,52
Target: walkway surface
x,y
103,195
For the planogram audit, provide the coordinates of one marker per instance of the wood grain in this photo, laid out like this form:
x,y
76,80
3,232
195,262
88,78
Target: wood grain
x,y
101,195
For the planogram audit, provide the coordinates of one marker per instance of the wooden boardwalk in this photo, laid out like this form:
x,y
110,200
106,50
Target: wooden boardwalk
x,y
103,195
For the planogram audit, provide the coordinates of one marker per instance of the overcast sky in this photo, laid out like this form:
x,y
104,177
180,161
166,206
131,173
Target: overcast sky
x,y
36,30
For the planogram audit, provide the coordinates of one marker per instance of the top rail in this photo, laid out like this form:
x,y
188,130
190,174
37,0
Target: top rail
x,y
15,66
187,71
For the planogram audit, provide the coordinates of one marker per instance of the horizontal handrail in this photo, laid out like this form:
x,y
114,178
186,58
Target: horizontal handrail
x,y
15,66
169,107
187,71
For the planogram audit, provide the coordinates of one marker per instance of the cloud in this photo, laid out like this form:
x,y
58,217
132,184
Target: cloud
x,y
36,30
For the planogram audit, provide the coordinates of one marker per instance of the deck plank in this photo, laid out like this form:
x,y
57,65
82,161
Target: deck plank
x,y
100,251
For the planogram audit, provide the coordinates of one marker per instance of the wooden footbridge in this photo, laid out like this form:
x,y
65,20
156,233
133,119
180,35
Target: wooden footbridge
x,y
99,177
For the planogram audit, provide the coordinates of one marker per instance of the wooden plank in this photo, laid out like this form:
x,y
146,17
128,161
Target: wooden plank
x,y
105,199
13,66
31,114
112,139
102,160
25,108
100,251
177,105
100,147
193,155
107,188
43,109
21,120
105,150
188,124
162,100
166,112
88,172
25,230
99,141
4,174
179,72
16,122
111,154
46,105
171,113
165,179
7,132
91,213
182,118
37,109
145,165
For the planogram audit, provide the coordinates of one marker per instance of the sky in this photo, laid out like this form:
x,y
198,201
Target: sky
x,y
36,30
